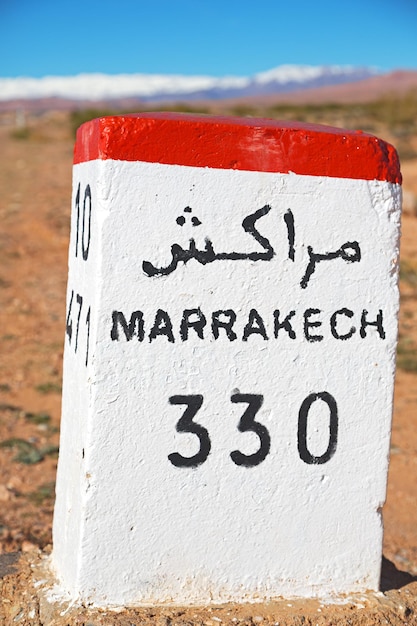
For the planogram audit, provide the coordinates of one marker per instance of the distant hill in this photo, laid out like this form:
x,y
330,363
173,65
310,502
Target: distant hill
x,y
397,83
61,92
290,84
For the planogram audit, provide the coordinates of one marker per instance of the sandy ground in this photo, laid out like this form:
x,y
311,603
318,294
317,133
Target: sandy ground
x,y
35,189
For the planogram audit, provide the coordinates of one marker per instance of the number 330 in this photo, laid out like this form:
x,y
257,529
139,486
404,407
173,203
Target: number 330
x,y
248,423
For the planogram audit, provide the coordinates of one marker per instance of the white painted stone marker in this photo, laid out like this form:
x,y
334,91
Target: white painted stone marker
x,y
229,361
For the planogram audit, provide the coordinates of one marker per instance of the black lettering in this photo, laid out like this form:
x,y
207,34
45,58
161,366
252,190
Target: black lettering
x,y
86,222
285,324
303,451
186,425
85,241
308,325
349,252
68,325
77,231
87,321
333,324
134,327
377,323
162,326
248,424
80,303
289,221
255,326
186,323
217,323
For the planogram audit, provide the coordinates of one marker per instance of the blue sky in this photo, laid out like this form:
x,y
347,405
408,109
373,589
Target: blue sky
x,y
215,37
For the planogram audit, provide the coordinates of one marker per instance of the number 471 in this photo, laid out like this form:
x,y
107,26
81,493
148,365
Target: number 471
x,y
248,423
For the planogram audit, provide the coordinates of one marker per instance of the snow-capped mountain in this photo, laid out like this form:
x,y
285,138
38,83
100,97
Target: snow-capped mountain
x,y
157,87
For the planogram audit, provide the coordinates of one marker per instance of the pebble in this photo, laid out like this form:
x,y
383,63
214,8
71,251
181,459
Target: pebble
x,y
5,494
28,546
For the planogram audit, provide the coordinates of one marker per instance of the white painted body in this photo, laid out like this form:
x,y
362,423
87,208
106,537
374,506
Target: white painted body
x,y
129,527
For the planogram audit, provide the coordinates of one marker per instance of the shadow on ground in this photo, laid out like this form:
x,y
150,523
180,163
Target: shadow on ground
x,y
393,578
6,563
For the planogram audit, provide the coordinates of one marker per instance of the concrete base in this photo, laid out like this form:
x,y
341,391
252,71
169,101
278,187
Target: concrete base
x,y
30,597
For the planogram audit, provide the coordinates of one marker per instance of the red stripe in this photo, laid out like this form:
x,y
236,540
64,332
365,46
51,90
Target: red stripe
x,y
238,144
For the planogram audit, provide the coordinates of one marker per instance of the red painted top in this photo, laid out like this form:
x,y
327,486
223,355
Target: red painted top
x,y
238,144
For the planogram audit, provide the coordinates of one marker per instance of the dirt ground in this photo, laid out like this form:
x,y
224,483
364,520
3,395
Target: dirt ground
x,y
35,191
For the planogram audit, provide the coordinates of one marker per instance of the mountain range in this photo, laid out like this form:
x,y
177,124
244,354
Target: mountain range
x,y
121,90
159,87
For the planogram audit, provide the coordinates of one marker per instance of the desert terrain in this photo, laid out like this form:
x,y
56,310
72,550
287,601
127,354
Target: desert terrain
x,y
35,197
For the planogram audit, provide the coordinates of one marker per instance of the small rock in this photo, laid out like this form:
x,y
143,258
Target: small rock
x,y
405,611
14,483
19,615
5,494
28,546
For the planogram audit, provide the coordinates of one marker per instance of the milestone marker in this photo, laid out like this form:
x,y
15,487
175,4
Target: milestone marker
x,y
229,362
